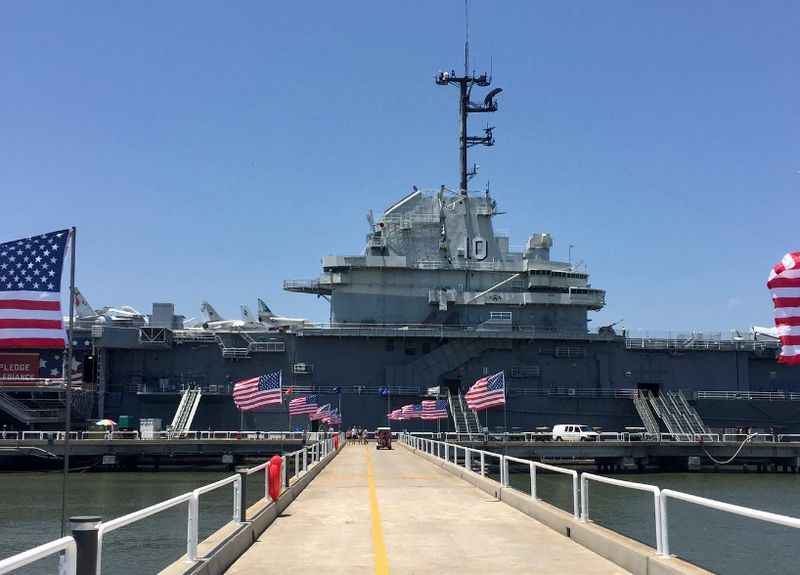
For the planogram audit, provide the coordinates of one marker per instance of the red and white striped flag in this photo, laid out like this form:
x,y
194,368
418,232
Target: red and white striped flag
x,y
784,283
30,291
255,393
304,404
434,409
487,392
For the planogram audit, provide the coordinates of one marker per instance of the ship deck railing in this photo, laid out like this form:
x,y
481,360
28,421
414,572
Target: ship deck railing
x,y
485,330
749,395
691,344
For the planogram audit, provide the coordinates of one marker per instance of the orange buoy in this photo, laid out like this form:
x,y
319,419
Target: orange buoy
x,y
274,477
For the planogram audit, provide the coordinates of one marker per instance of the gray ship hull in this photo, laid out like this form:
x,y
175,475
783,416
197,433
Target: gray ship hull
x,y
549,380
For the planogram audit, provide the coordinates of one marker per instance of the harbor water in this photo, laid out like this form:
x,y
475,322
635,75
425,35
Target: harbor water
x,y
30,512
720,542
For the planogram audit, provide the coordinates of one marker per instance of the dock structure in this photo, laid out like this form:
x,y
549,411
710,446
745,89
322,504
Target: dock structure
x,y
392,511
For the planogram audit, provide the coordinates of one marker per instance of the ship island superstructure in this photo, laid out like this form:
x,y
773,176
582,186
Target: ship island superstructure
x,y
434,258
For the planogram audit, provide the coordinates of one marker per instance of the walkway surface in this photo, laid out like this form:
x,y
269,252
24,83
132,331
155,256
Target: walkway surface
x,y
392,511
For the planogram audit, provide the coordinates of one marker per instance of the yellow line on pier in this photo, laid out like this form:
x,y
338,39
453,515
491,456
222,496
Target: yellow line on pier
x,y
378,545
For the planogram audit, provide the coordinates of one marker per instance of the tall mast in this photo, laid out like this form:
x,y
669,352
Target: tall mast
x,y
466,107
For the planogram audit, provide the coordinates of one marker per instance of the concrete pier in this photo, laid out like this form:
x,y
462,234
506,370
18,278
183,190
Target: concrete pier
x,y
378,512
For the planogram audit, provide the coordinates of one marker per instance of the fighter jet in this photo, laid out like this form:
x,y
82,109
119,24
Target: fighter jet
x,y
85,313
266,317
214,321
766,333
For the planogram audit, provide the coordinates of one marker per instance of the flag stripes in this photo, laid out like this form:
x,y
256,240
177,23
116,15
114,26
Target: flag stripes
x,y
489,391
30,291
784,283
257,392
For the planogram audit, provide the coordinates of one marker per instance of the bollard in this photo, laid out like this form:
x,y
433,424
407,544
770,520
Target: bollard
x,y
85,531
241,507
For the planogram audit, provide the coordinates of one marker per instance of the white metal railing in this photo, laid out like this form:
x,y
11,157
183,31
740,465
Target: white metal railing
x,y
65,545
580,488
749,512
789,437
317,452
533,466
164,435
749,395
586,477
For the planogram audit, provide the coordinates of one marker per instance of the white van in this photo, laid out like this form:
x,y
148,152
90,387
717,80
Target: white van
x,y
563,432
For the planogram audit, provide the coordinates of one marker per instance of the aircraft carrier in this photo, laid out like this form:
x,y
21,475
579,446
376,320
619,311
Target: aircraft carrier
x,y
436,298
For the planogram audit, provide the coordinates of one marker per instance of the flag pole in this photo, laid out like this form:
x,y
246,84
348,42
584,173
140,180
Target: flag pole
x,y
505,404
438,419
67,376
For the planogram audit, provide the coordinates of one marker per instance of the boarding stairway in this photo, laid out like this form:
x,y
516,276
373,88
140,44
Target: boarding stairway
x,y
182,422
28,414
35,405
680,418
645,413
464,419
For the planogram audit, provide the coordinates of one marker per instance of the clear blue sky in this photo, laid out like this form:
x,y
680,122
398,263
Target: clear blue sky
x,y
212,150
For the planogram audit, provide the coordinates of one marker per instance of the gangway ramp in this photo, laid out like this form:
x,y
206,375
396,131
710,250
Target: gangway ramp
x,y
384,511
184,415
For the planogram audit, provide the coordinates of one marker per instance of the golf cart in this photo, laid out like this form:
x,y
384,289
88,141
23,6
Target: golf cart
x,y
383,438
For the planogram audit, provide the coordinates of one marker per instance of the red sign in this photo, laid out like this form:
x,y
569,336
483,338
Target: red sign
x,y
19,366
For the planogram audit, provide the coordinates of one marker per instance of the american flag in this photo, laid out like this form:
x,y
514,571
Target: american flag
x,y
487,392
320,413
304,404
434,409
250,394
30,291
396,415
411,411
784,282
333,417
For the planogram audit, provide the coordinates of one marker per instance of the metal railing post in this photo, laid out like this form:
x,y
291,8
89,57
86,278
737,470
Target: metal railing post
x,y
659,532
240,493
533,480
296,463
192,527
266,481
575,496
483,464
467,459
504,471
85,531
584,499
305,459
664,525
283,472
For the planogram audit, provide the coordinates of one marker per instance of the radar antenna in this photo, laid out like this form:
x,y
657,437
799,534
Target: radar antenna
x,y
465,84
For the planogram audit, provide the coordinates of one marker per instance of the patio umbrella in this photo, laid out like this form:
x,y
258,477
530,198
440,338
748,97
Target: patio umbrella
x,y
106,423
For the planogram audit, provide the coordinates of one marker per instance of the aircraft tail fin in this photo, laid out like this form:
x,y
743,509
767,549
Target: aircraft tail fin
x,y
82,307
264,312
210,313
247,315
